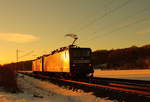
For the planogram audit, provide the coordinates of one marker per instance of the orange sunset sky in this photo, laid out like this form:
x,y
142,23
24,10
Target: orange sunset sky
x,y
36,27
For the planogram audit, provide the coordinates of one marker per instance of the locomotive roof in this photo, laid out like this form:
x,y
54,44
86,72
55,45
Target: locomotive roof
x,y
64,48
60,50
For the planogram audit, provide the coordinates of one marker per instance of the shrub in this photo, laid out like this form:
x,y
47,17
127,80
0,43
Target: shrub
x,y
8,79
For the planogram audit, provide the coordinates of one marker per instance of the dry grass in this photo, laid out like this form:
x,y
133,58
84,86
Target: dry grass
x,y
8,79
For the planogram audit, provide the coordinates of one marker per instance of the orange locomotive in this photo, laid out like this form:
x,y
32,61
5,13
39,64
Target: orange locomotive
x,y
69,61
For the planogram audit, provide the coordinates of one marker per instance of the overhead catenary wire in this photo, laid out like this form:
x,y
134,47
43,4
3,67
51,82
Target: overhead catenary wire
x,y
27,54
108,3
130,16
115,30
106,14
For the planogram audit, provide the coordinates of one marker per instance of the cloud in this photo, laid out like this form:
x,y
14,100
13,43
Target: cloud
x,y
17,37
144,31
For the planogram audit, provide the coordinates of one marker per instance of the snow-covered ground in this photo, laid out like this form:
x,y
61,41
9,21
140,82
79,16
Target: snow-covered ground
x,y
124,74
35,90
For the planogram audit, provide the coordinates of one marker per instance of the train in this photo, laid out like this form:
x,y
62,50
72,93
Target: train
x,y
69,62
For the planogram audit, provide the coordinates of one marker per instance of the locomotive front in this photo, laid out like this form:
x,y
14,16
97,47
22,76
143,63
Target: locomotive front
x,y
80,62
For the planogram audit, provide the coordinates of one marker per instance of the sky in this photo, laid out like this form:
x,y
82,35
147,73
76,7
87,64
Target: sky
x,y
36,27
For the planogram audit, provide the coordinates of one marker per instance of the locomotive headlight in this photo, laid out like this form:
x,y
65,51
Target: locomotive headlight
x,y
90,65
73,65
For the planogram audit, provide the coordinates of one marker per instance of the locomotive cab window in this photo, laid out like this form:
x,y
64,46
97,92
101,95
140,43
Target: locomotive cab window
x,y
81,53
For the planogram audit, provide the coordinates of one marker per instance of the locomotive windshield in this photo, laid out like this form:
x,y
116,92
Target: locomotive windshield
x,y
81,52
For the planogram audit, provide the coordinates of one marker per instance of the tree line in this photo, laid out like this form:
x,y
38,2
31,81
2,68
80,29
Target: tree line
x,y
126,58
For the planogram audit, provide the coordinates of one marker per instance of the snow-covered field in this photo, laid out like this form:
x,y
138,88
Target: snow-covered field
x,y
124,74
35,90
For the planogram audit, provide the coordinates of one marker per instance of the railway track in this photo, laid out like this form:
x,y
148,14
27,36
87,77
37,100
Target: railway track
x,y
116,89
115,86
125,81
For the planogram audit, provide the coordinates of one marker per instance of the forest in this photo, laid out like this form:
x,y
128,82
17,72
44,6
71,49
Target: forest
x,y
126,58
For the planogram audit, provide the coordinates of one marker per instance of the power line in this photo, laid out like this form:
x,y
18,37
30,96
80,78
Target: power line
x,y
91,16
106,14
125,26
105,5
26,54
136,13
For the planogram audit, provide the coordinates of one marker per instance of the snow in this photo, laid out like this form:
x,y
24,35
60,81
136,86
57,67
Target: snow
x,y
35,90
124,74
